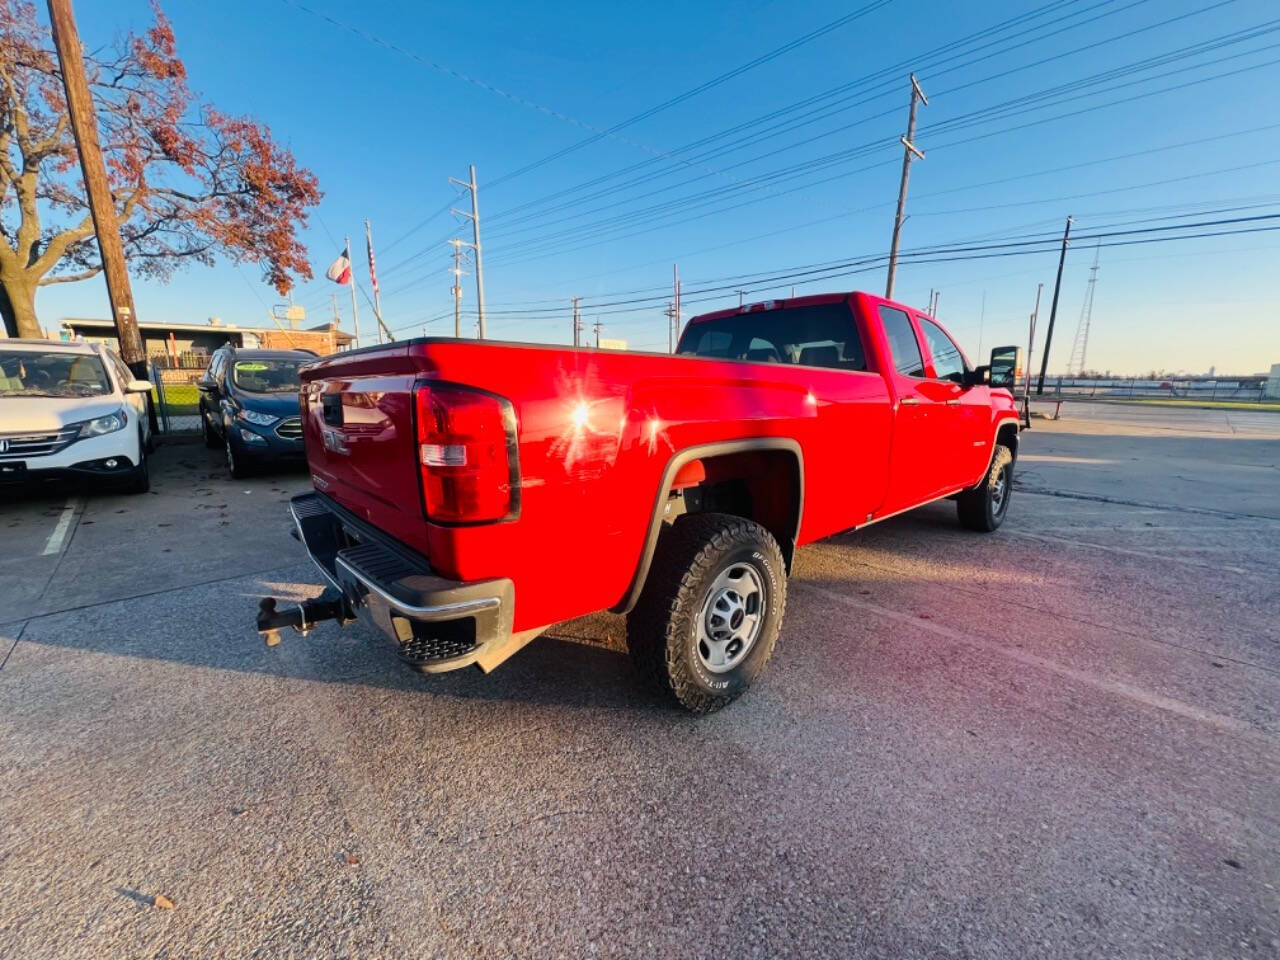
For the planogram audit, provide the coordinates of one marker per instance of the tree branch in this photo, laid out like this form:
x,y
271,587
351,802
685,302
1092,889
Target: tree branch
x,y
58,245
71,277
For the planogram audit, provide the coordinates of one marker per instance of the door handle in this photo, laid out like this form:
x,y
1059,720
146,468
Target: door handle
x,y
953,403
909,401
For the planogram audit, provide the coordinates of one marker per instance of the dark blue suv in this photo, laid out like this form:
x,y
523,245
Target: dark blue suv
x,y
249,406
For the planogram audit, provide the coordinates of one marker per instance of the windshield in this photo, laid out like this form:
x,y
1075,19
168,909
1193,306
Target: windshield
x,y
26,373
267,376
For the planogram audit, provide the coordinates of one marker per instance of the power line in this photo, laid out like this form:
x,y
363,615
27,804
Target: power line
x,y
599,230
1040,243
700,88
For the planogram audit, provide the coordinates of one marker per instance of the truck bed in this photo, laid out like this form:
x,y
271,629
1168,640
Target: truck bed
x,y
597,433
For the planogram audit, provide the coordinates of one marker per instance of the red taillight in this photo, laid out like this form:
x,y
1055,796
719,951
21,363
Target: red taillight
x,y
464,452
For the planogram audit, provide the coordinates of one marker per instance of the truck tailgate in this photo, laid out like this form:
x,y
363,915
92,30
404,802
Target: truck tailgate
x,y
358,427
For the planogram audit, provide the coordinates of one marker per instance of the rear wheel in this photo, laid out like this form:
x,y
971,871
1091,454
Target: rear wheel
x,y
983,507
710,612
210,438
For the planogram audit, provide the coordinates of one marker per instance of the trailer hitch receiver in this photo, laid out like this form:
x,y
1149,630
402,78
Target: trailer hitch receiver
x,y
302,617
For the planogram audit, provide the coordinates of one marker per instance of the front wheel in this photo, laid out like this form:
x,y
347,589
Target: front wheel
x,y
710,611
236,466
983,507
140,480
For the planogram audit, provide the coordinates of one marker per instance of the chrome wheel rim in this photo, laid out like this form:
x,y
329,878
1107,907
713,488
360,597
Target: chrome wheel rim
x,y
1000,490
731,618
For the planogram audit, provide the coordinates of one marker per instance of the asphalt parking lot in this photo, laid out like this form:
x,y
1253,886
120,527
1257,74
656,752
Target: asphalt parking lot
x,y
1062,740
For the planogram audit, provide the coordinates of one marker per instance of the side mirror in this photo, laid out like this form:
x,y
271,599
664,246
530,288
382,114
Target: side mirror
x,y
138,386
1006,367
976,377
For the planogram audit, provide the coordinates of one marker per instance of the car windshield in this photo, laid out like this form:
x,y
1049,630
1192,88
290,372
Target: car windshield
x,y
29,373
267,376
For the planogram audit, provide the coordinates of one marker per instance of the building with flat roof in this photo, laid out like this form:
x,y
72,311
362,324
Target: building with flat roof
x,y
189,345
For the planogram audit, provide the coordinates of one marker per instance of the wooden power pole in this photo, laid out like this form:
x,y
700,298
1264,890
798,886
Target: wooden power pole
x,y
84,126
1053,310
909,150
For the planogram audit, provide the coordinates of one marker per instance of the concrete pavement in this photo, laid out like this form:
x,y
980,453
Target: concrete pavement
x,y
1062,740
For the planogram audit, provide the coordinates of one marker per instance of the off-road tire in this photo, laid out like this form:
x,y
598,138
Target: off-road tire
x,y
662,629
983,508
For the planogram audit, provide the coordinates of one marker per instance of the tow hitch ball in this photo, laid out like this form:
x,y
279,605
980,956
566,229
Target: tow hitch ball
x,y
303,617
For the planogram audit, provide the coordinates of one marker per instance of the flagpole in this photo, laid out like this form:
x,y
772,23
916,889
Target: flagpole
x,y
351,282
373,281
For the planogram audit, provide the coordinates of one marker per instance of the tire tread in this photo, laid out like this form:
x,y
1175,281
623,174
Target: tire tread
x,y
687,553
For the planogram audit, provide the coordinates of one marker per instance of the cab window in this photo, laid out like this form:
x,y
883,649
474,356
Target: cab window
x,y
948,361
822,335
904,350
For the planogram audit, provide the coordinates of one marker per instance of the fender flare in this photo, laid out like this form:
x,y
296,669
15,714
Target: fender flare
x,y
1000,424
678,460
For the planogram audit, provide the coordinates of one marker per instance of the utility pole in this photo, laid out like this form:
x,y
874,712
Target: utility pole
x,y
577,323
474,217
675,306
1031,344
373,282
1053,310
333,298
982,318
740,294
670,314
909,150
597,325
84,126
351,283
456,289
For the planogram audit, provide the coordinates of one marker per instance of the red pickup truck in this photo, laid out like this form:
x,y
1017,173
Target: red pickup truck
x,y
470,494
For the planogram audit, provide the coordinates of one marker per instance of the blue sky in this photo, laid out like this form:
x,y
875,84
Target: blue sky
x,y
383,130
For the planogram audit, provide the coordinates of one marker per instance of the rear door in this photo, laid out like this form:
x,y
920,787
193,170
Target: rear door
x,y
208,387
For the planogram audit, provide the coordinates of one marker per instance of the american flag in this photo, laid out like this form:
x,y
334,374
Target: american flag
x,y
373,272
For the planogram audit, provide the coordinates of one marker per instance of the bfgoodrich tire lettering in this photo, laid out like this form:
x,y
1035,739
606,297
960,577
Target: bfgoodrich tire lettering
x,y
690,634
983,507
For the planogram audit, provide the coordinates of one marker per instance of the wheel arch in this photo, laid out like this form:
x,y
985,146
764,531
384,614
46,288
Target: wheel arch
x,y
779,515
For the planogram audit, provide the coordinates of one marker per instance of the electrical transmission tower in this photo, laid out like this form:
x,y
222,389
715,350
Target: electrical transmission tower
x,y
1080,349
474,217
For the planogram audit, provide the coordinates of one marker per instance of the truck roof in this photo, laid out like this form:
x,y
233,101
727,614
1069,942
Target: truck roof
x,y
811,300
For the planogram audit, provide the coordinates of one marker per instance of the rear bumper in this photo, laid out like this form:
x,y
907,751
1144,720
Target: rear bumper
x,y
437,624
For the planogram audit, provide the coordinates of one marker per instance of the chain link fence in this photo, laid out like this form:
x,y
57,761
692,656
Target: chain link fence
x,y
177,398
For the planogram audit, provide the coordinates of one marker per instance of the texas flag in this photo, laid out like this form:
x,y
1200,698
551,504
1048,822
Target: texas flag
x,y
340,270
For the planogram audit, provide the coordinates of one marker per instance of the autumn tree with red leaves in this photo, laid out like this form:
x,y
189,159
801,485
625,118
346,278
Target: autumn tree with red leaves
x,y
189,181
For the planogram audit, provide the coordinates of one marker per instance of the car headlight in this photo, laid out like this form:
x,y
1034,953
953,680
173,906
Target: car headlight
x,y
101,425
256,418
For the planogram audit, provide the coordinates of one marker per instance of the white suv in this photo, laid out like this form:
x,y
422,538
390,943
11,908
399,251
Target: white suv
x,y
71,411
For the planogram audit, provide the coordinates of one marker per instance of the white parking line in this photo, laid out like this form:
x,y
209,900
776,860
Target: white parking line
x,y
54,543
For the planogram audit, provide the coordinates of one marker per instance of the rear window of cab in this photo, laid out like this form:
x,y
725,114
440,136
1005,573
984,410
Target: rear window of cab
x,y
822,335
